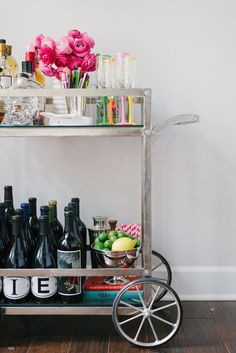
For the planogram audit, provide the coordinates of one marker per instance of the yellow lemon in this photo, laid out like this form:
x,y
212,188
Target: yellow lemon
x,y
123,244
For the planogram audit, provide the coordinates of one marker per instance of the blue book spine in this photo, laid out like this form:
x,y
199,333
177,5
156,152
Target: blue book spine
x,y
110,295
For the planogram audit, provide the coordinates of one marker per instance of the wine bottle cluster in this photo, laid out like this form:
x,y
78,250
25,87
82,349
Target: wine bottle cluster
x,y
27,241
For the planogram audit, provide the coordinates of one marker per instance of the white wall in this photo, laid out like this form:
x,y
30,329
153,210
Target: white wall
x,y
187,56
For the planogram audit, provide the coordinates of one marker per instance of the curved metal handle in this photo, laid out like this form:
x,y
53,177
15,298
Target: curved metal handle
x,y
182,119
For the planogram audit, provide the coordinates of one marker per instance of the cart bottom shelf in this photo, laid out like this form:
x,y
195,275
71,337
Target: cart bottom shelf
x,y
84,308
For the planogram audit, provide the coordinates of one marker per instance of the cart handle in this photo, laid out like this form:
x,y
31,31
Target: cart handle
x,y
182,119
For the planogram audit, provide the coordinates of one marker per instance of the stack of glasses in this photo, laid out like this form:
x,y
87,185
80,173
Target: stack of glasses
x,y
119,71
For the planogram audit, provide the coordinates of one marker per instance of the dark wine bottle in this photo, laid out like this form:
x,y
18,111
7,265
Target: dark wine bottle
x,y
26,246
81,225
69,251
16,289
52,235
72,206
29,237
3,227
34,222
9,208
44,210
58,229
44,289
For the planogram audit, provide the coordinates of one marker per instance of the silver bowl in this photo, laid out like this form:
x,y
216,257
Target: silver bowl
x,y
116,259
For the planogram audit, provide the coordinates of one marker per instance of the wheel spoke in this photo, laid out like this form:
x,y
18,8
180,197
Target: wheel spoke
x,y
154,297
139,329
155,267
130,319
131,306
163,279
153,331
164,307
140,297
163,320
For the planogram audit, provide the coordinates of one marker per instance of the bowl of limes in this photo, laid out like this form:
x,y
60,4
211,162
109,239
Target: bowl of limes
x,y
116,249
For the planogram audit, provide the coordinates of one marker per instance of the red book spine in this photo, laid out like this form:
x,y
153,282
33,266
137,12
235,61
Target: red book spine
x,y
97,283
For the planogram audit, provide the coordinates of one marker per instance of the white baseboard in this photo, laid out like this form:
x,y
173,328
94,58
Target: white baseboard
x,y
205,282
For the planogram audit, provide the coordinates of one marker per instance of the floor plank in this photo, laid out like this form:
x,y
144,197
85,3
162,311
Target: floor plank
x,y
92,335
196,310
202,336
224,314
176,345
50,344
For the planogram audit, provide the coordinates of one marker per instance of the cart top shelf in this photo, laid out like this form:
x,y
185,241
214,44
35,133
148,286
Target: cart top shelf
x,y
64,131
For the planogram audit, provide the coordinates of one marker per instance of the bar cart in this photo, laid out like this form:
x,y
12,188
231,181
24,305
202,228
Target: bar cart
x,y
155,315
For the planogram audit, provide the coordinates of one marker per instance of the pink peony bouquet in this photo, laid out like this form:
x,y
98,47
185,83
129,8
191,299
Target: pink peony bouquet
x,y
71,52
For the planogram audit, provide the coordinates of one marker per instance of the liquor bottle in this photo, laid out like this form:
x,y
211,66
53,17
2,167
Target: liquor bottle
x,y
3,64
11,61
81,225
78,233
58,229
44,289
34,222
16,289
39,77
9,208
26,246
3,227
69,256
29,237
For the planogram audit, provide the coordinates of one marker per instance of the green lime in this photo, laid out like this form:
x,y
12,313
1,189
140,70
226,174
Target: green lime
x,y
122,234
112,233
108,244
112,238
130,237
137,242
99,246
103,237
96,240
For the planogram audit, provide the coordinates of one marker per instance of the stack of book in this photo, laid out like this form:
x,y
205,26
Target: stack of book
x,y
95,289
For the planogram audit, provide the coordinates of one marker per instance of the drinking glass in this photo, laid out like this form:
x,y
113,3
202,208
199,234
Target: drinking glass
x,y
103,81
122,78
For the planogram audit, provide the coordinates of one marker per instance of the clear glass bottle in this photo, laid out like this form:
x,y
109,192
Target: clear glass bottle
x,y
11,61
21,110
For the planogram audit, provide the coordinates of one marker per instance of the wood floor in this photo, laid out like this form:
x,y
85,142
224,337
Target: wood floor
x,y
208,327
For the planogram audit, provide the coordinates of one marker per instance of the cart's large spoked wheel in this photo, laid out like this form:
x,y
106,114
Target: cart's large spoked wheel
x,y
142,320
161,270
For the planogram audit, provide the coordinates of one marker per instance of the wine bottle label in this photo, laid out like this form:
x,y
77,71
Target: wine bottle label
x,y
43,287
16,287
69,259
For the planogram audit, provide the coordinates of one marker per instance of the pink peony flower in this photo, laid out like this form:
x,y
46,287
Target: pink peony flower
x,y
89,63
80,47
88,39
61,60
30,48
38,41
74,33
63,46
74,62
47,55
48,42
47,70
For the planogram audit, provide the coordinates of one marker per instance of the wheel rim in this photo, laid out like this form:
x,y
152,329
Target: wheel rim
x,y
161,268
147,323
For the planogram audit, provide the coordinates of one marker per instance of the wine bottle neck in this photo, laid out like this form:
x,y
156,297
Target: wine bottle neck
x,y
32,209
55,211
69,225
51,214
